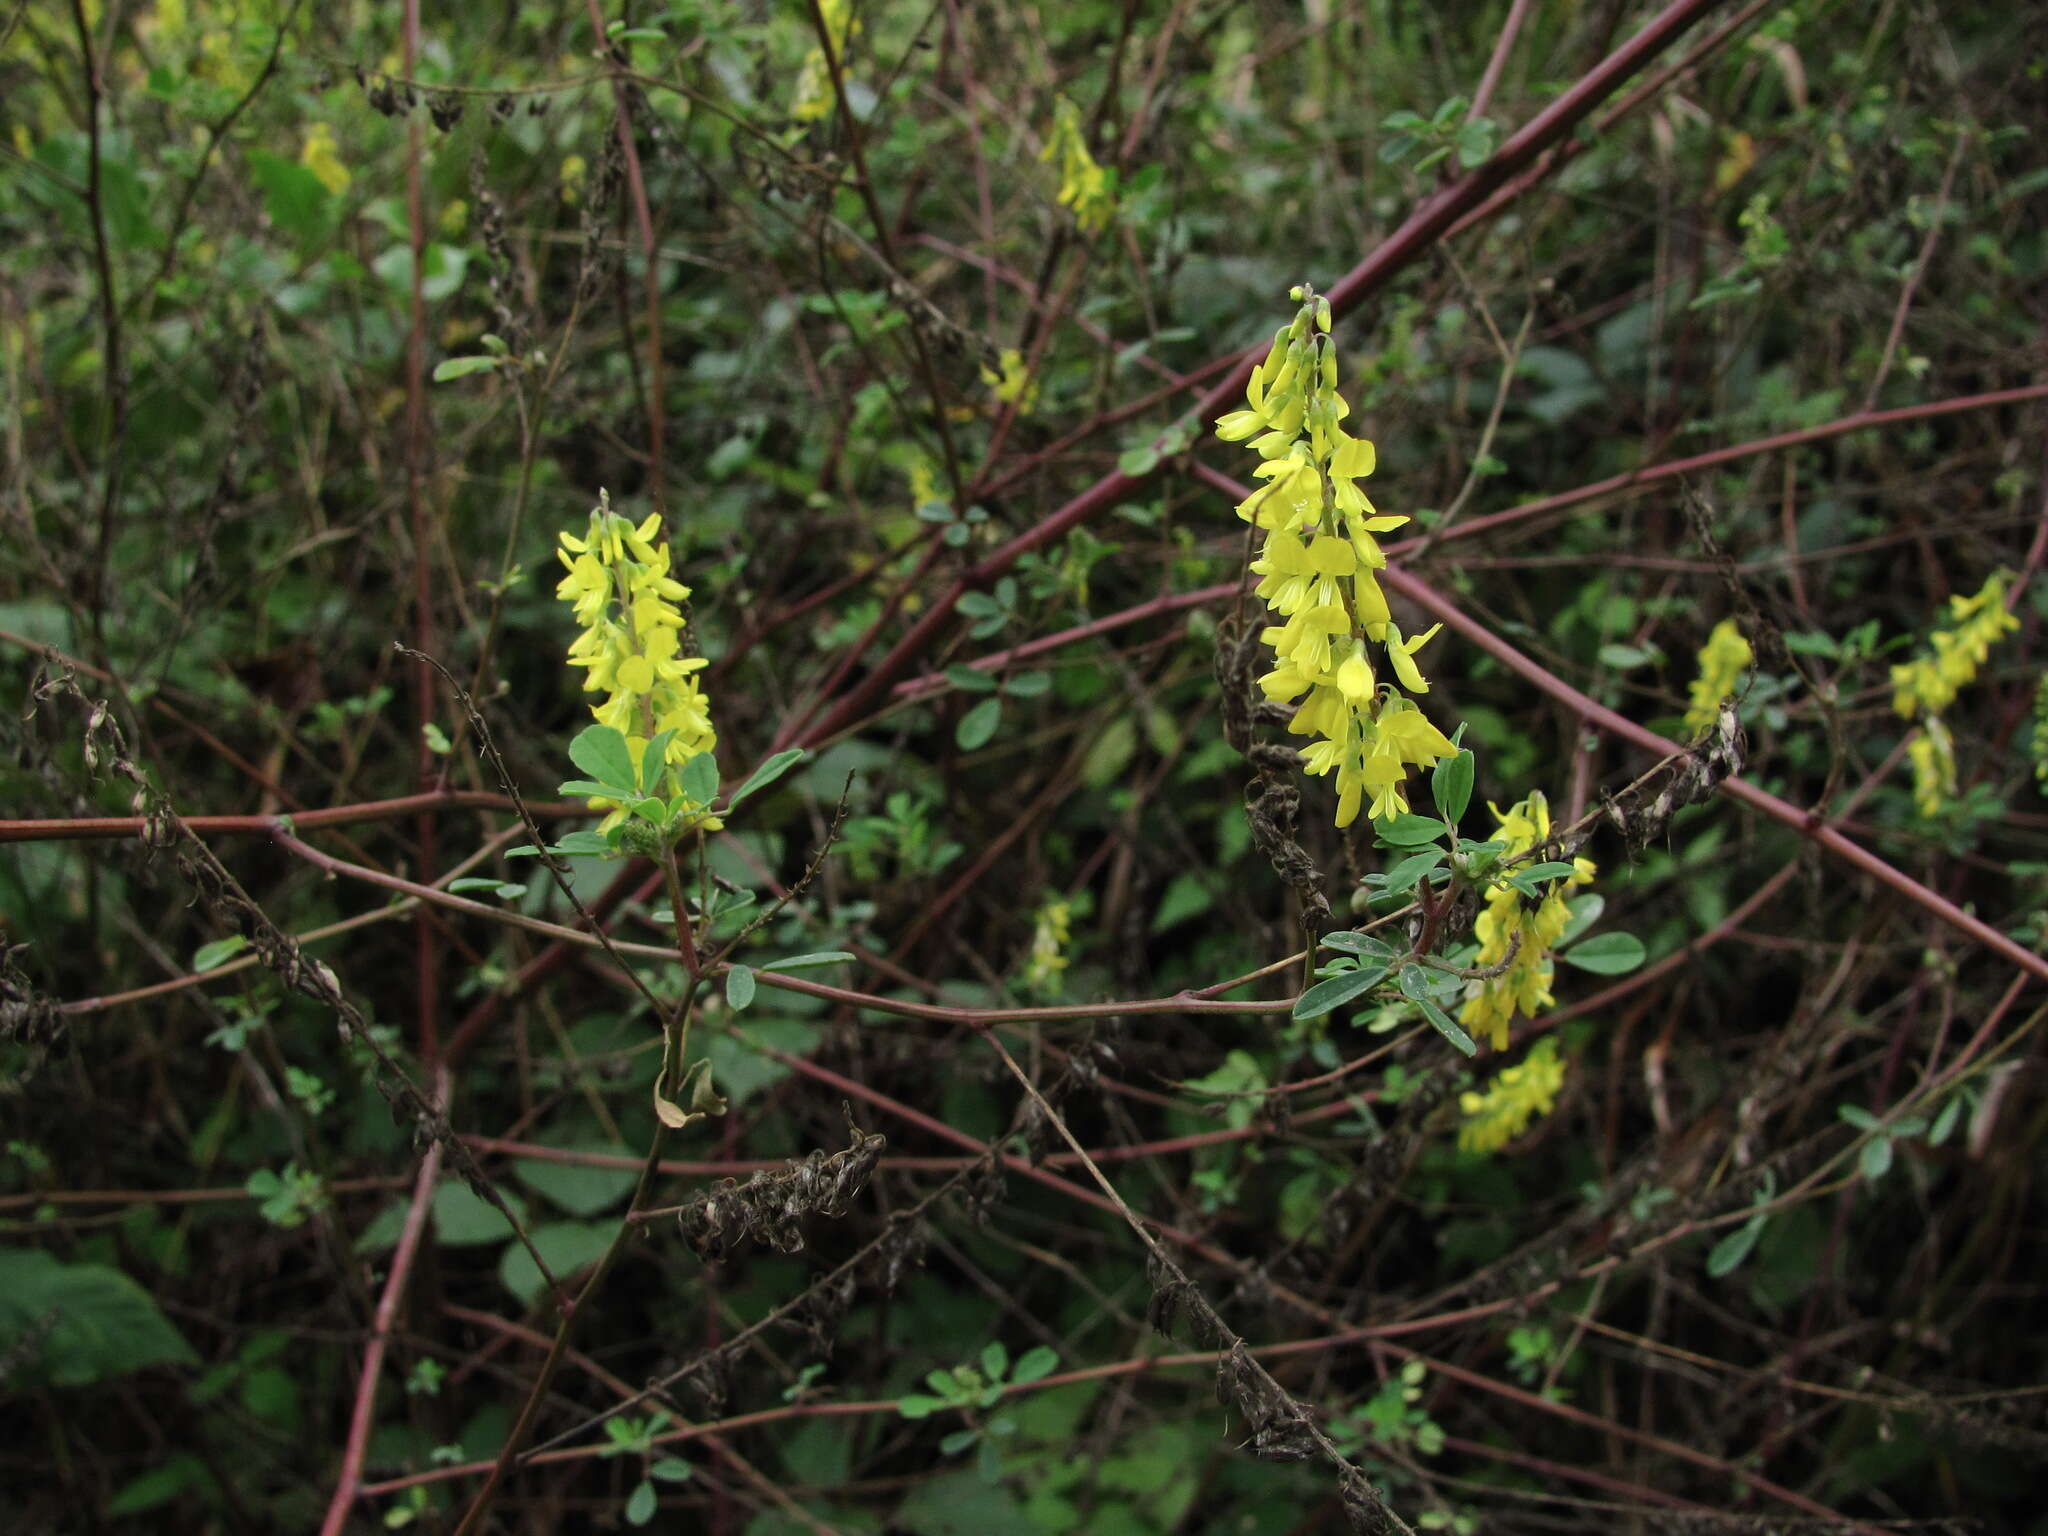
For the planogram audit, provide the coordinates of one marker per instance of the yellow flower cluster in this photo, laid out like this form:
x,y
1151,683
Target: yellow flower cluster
x,y
814,80
1012,383
1049,937
1316,568
631,644
1491,1004
1084,185
1933,755
1930,683
323,159
1517,1095
1722,659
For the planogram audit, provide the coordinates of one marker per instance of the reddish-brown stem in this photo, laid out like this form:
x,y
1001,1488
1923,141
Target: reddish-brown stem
x,y
362,1417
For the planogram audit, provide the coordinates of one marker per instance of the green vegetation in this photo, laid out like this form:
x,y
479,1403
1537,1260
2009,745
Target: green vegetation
x,y
723,807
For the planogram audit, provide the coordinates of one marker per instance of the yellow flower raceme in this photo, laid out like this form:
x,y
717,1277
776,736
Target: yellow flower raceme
x,y
631,642
1084,185
1933,755
1316,574
1517,1095
1012,383
1722,659
1931,682
1524,987
1928,684
814,81
321,157
1044,970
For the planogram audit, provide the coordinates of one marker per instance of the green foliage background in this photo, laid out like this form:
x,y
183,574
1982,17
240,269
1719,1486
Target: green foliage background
x,y
232,481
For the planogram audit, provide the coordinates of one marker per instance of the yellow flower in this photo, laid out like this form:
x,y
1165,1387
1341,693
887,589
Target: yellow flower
x,y
1084,186
1315,571
320,157
1049,936
1506,922
1517,1095
814,80
1722,659
1011,382
630,649
1933,755
1931,683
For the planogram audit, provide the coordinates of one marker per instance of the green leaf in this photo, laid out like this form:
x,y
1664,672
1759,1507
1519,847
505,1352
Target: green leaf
x,y
1189,895
1859,1117
1550,870
700,778
1945,1122
767,774
159,1486
581,1189
972,679
570,1247
642,1503
1446,1026
1408,831
1027,685
456,367
1876,1159
1727,1255
919,1406
1626,658
1360,944
1036,1365
1337,991
1585,912
590,787
296,200
212,956
653,760
105,1324
739,986
1606,954
1411,869
672,1469
462,1219
995,1360
978,724
804,962
1450,785
601,752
